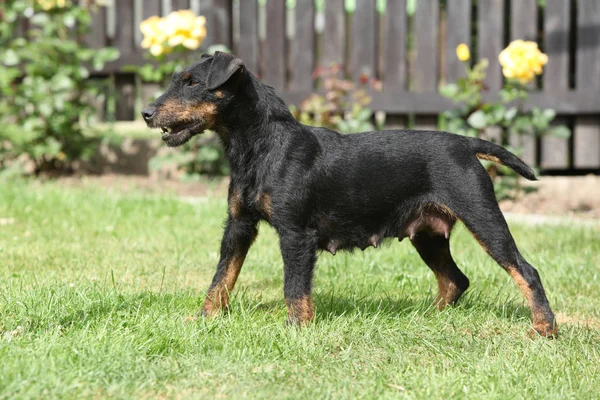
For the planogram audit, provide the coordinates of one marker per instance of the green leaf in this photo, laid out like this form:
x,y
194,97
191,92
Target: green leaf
x,y
449,90
411,7
477,120
548,114
559,131
10,58
350,6
510,113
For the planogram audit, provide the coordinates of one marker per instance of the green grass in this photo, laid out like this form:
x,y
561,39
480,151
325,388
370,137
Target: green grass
x,y
95,289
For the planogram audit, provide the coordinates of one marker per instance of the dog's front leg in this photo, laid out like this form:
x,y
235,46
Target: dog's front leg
x,y
299,256
237,239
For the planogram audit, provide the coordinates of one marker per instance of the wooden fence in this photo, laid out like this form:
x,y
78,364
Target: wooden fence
x,y
410,54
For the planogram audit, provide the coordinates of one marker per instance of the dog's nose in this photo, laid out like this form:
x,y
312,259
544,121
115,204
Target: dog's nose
x,y
148,112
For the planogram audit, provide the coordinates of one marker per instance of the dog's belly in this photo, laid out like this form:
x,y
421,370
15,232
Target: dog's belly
x,y
337,233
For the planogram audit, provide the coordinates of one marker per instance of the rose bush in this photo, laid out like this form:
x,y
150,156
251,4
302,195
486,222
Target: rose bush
x,y
521,62
45,94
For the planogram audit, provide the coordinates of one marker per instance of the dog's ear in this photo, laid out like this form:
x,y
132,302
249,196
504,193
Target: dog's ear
x,y
223,67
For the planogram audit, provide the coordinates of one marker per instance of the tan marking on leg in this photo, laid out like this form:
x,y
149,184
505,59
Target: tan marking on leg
x,y
218,297
489,157
266,204
523,285
441,300
540,325
301,311
235,204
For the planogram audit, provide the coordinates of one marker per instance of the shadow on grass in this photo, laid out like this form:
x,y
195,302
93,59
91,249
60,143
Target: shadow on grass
x,y
330,306
125,309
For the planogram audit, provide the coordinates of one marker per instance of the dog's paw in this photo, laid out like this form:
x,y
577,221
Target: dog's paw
x,y
547,330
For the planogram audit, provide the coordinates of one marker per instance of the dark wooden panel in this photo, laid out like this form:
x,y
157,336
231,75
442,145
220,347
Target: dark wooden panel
x,y
523,20
523,25
458,30
124,23
334,32
302,47
490,32
426,123
430,102
555,151
556,33
274,50
218,21
248,48
588,45
587,130
97,36
364,45
425,74
125,97
150,8
587,142
179,5
394,46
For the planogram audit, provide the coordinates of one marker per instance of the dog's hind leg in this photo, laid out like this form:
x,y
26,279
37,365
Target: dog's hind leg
x,y
483,218
299,256
237,239
435,251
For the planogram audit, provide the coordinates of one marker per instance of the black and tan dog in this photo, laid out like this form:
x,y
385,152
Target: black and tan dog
x,y
322,190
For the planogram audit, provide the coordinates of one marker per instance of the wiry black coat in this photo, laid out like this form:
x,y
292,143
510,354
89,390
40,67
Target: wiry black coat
x,y
322,190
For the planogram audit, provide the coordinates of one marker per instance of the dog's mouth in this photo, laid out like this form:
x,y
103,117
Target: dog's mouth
x,y
177,134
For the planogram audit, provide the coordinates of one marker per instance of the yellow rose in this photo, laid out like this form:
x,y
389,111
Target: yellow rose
x,y
522,60
462,52
50,4
184,28
153,30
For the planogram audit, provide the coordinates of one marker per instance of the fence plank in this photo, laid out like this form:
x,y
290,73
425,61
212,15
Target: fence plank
x,y
458,30
124,20
96,38
218,22
165,7
523,25
248,46
364,46
274,49
425,74
394,46
587,129
555,151
125,97
302,47
180,5
490,33
334,32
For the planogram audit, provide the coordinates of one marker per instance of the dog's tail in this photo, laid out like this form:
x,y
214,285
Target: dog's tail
x,y
485,150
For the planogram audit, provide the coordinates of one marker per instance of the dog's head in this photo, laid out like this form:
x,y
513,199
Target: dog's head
x,y
195,98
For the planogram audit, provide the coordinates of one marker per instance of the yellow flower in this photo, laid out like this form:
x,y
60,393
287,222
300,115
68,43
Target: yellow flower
x,y
184,28
154,36
181,27
522,60
50,4
462,52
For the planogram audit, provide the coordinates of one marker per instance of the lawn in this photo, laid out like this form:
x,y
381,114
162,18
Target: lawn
x,y
96,290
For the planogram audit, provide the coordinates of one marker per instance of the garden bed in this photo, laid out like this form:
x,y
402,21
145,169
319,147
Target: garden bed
x,y
557,196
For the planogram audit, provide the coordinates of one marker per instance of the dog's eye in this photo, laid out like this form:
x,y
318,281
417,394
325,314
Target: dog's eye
x,y
192,83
